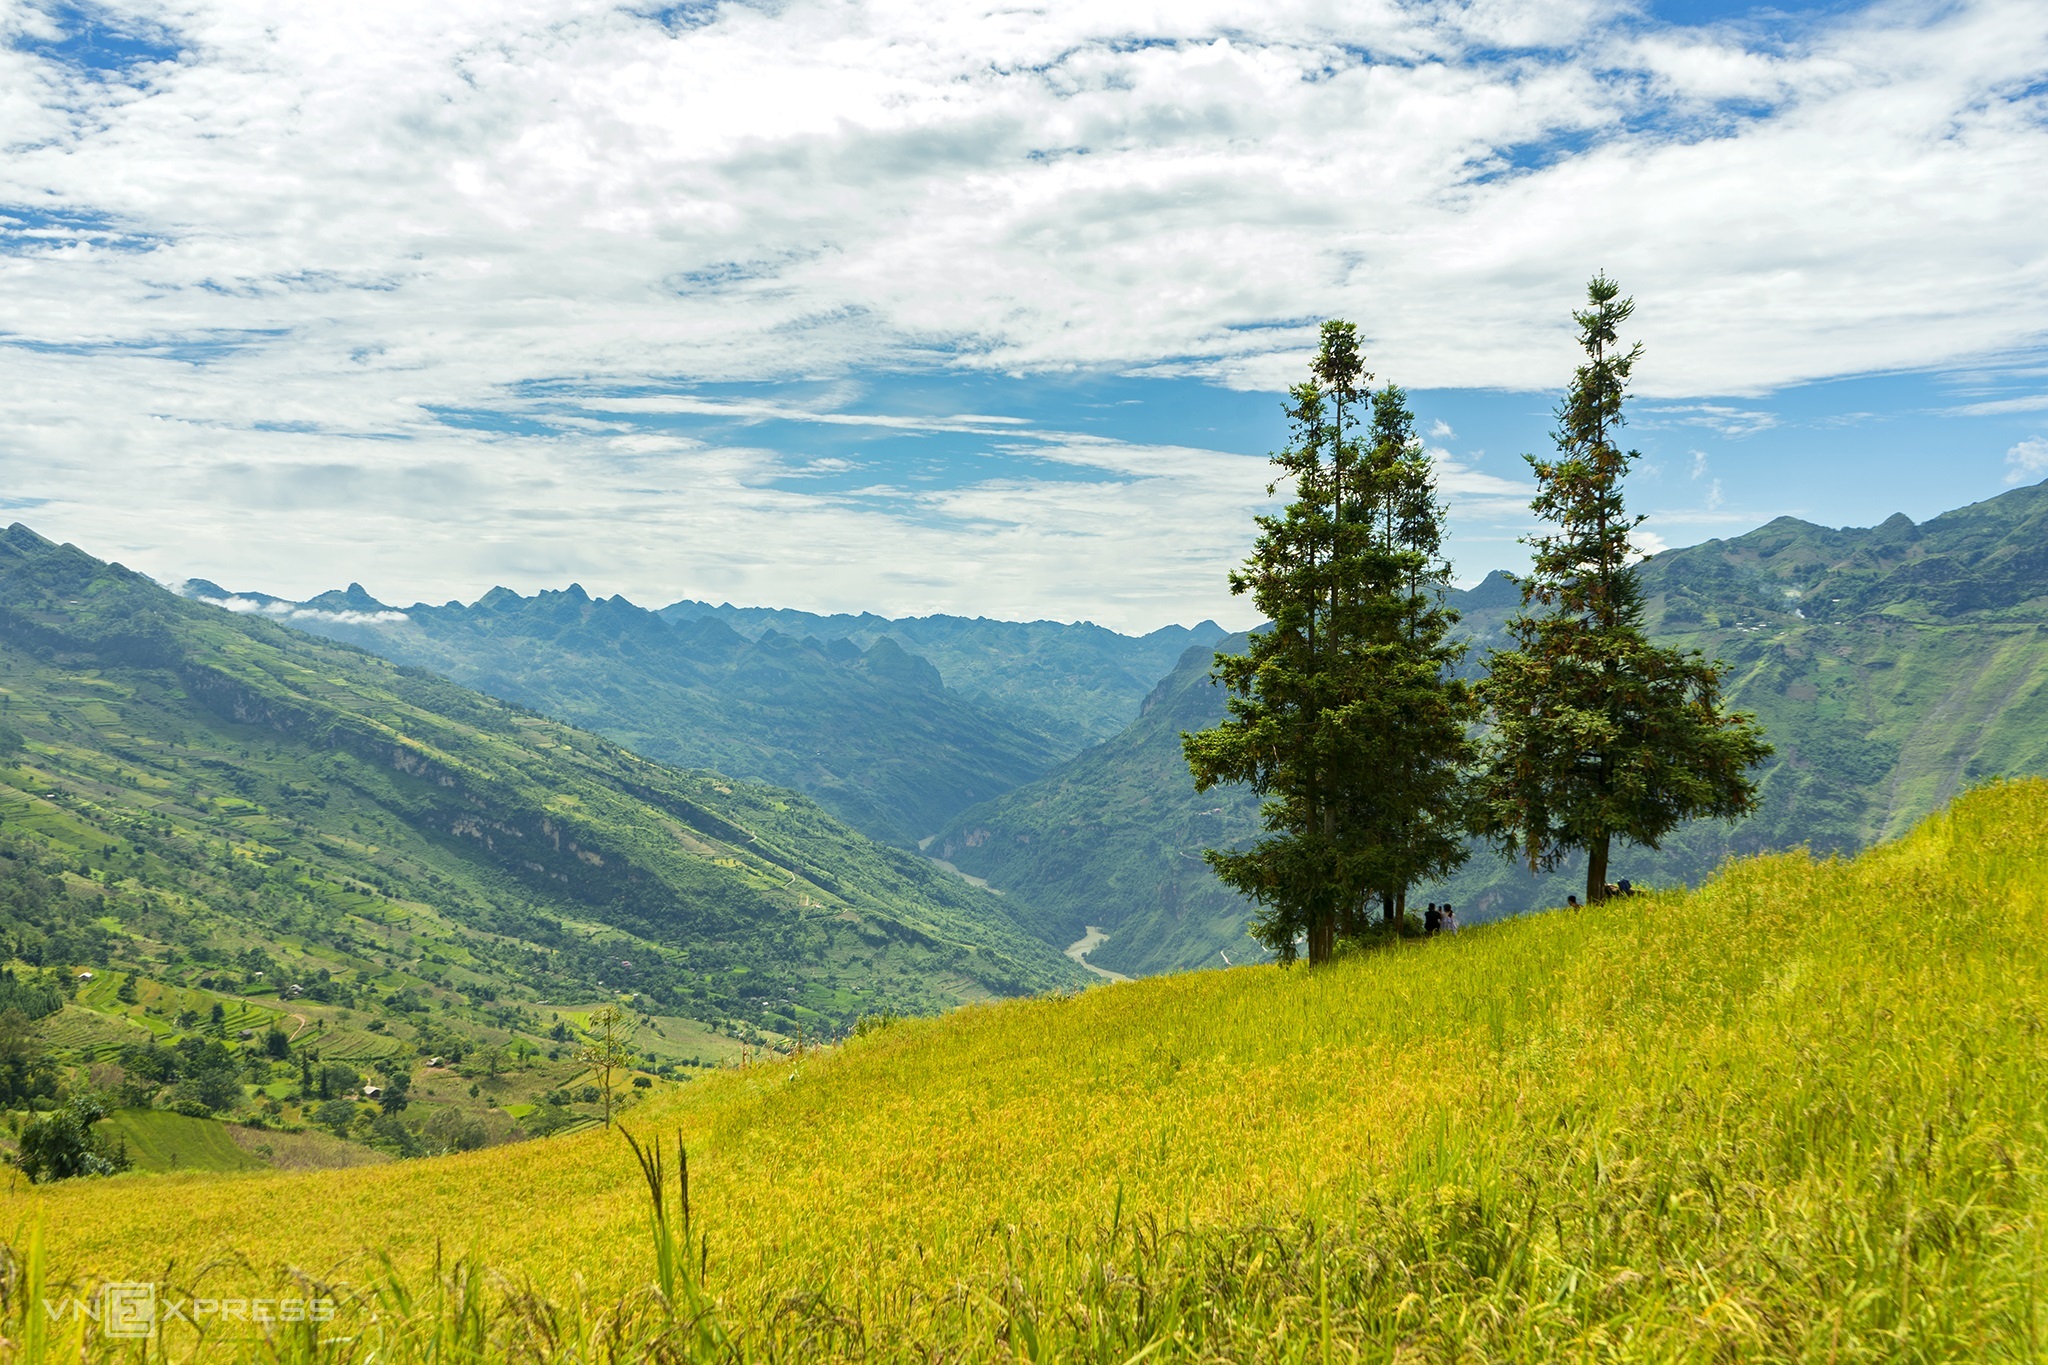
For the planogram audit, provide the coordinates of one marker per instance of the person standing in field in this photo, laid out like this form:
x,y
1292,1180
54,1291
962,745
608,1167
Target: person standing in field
x,y
1450,919
1431,920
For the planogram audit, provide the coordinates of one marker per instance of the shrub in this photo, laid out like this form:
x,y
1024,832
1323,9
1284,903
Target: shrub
x,y
63,1145
335,1115
450,1130
389,1132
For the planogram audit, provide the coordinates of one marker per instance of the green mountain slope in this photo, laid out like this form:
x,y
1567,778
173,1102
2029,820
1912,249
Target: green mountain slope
x,y
226,784
870,731
1114,838
1080,683
1892,667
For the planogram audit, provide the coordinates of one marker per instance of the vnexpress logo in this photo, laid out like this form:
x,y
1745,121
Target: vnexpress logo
x,y
136,1310
128,1310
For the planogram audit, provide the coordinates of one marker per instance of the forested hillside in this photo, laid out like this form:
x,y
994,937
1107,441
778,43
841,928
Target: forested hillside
x,y
868,729
1891,666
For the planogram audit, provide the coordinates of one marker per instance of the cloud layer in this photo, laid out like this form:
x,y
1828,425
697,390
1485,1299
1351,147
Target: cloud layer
x,y
257,259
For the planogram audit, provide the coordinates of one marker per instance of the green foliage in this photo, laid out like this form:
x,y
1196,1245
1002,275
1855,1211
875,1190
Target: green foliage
x,y
388,1132
450,1130
336,1115
41,921
874,1023
1344,715
548,1119
27,1071
394,1086
1595,732
67,1144
338,1080
35,995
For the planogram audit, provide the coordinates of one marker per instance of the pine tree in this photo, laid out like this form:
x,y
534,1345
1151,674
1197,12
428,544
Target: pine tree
x,y
1597,734
1343,714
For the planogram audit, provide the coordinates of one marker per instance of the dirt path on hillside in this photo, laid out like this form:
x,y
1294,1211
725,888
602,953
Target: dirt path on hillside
x,y
1088,943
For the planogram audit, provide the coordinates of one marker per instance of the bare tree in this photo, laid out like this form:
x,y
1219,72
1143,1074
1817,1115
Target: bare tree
x,y
608,1048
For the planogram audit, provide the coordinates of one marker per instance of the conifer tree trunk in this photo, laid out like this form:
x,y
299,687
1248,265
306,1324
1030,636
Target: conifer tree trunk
x,y
1596,868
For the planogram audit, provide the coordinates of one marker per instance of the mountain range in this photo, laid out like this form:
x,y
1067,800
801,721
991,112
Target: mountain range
x,y
1891,665
892,741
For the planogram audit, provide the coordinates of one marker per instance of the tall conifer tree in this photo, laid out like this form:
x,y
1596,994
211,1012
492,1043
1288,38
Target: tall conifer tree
x,y
1596,734
1343,713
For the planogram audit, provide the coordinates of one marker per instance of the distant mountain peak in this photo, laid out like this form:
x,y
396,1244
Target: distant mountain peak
x,y
1497,589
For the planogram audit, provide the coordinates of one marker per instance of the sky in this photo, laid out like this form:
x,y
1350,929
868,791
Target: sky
x,y
876,305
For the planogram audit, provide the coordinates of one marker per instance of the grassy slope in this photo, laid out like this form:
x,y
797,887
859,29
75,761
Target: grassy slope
x,y
335,790
874,736
159,1140
1794,1115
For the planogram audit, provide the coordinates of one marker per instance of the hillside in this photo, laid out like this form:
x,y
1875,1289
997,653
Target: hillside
x,y
216,778
1892,667
1078,683
869,730
1792,1116
1114,838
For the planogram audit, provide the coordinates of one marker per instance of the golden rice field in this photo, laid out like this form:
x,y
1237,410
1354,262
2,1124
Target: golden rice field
x,y
1796,1115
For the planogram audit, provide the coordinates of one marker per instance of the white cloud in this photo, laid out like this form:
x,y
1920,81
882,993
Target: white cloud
x,y
1441,430
358,219
1720,418
2026,460
296,611
1457,480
